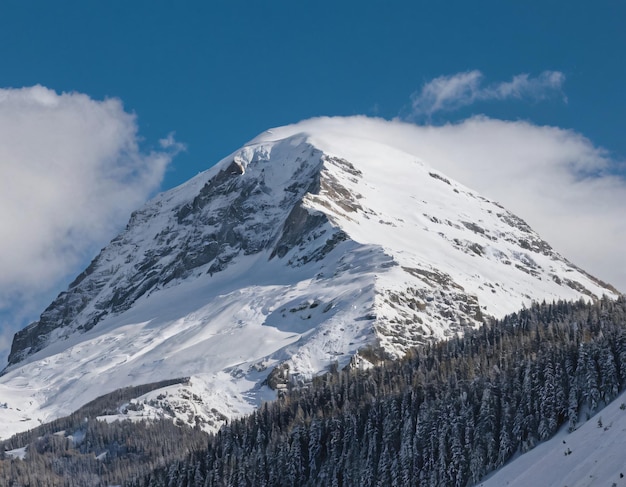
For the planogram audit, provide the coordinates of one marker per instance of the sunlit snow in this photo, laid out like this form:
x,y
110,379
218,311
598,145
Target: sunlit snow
x,y
425,257
591,455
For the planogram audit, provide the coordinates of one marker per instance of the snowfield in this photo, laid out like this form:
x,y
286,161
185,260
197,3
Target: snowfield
x,y
310,243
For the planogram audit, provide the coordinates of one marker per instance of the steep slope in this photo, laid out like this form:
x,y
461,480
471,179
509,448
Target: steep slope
x,y
310,243
591,455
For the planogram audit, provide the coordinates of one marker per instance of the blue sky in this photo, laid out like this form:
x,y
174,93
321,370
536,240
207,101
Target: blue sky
x,y
215,74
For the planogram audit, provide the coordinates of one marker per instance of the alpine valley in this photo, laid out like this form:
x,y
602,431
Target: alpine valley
x,y
316,246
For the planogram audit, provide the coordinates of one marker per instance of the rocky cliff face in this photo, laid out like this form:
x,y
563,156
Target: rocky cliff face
x,y
302,248
173,239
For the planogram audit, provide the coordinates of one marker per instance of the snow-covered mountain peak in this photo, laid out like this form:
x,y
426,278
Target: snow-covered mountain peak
x,y
309,244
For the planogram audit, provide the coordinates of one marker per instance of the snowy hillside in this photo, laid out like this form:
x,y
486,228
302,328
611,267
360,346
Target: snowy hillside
x,y
591,455
312,242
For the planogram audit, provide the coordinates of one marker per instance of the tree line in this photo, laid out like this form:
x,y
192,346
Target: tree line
x,y
445,415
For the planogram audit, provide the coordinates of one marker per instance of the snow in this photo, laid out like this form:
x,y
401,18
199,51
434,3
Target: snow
x,y
596,458
176,334
18,453
424,256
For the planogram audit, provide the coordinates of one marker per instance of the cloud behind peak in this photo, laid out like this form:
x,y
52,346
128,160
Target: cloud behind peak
x,y
71,170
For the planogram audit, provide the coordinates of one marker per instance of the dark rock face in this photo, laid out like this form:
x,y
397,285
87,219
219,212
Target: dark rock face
x,y
235,212
59,314
299,223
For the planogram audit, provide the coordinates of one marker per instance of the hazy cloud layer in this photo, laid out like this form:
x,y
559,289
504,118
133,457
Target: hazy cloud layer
x,y
447,93
70,173
555,179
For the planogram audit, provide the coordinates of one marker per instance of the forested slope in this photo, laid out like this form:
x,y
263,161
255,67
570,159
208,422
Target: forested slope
x,y
447,415
81,450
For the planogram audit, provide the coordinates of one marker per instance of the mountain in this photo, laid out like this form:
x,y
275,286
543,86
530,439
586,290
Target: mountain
x,y
313,245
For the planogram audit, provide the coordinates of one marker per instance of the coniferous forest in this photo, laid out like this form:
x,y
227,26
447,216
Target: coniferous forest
x,y
445,415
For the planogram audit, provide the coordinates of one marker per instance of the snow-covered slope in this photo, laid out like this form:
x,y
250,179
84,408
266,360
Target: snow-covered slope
x,y
591,455
312,242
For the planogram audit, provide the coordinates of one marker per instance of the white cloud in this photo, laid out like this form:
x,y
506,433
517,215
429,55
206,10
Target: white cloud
x,y
447,93
71,171
555,179
171,143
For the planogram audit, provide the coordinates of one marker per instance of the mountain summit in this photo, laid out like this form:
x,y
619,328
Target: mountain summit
x,y
312,244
